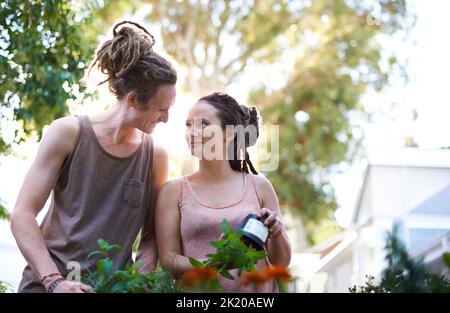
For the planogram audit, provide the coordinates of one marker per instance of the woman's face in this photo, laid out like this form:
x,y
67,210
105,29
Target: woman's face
x,y
204,133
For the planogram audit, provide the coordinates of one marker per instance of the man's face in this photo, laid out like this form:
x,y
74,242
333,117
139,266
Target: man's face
x,y
158,109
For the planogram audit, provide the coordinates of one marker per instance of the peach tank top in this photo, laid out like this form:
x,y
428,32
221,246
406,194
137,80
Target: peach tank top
x,y
200,224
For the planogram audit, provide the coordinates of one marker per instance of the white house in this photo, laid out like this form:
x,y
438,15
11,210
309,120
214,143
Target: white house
x,y
408,186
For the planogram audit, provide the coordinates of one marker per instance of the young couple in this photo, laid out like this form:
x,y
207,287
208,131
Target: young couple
x,y
108,180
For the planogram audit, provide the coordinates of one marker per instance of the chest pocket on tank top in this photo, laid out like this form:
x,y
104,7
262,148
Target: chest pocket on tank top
x,y
132,193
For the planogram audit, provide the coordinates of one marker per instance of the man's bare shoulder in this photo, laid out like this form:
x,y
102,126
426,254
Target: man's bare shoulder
x,y
61,134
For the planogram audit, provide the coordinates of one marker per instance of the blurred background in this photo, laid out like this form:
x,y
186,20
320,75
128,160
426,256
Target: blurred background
x,y
358,90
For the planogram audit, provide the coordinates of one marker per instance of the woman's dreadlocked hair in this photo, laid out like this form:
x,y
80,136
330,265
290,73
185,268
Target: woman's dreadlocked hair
x,y
131,64
245,120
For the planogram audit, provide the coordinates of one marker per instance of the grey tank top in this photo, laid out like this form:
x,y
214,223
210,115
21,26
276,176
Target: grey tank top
x,y
96,195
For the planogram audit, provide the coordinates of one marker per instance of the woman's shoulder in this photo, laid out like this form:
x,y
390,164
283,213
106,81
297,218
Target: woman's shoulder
x,y
261,181
264,188
172,185
173,189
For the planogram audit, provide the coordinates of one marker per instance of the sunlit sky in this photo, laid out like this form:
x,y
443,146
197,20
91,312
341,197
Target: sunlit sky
x,y
429,66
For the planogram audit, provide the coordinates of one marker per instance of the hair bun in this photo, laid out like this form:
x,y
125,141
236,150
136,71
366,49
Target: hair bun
x,y
146,32
120,54
251,118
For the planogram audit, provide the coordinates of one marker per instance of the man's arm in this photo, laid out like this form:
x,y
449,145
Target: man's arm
x,y
148,251
56,145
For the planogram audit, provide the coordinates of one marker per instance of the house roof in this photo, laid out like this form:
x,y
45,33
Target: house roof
x,y
326,246
438,204
409,157
338,250
405,157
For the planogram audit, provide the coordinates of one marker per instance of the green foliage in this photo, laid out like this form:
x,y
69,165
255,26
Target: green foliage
x,y
339,58
4,214
404,274
46,47
249,27
42,50
446,258
5,287
231,253
106,280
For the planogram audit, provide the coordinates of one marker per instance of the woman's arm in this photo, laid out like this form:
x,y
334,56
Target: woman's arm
x,y
167,224
148,251
56,145
278,245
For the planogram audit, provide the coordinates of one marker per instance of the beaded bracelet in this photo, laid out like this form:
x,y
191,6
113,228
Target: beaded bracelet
x,y
54,284
50,275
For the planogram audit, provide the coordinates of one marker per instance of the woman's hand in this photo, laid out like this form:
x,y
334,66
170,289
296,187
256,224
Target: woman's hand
x,y
272,221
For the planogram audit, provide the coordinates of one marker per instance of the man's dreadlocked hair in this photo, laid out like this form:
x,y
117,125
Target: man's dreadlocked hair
x,y
231,113
130,63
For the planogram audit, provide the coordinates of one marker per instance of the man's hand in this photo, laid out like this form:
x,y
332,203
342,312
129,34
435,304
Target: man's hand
x,y
68,286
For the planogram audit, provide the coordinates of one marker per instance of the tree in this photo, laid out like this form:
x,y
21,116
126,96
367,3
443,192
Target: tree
x,y
45,47
404,274
4,214
339,58
215,40
41,51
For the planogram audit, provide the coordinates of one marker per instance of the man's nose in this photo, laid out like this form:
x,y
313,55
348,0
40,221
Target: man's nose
x,y
164,117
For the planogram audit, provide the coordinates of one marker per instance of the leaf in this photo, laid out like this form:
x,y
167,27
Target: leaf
x,y
96,253
196,263
122,275
238,234
216,244
226,227
225,273
115,246
102,243
446,258
119,287
4,214
104,265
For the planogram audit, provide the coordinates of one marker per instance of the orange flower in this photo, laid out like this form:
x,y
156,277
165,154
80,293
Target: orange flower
x,y
278,273
198,276
257,278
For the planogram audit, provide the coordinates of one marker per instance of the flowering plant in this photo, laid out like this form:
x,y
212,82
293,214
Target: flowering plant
x,y
127,280
232,253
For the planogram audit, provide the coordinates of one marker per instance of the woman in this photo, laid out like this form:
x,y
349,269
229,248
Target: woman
x,y
102,170
190,209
